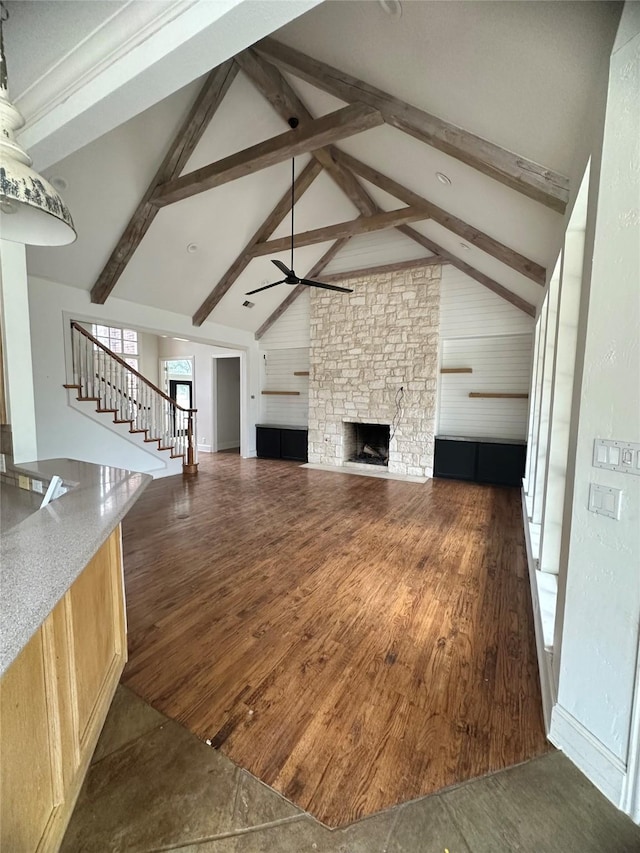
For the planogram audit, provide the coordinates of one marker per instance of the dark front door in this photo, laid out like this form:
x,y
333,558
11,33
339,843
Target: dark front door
x,y
181,390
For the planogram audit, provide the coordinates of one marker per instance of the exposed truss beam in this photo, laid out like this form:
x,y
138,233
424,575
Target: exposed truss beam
x,y
322,131
521,174
301,184
472,235
381,269
276,90
314,272
472,272
362,225
183,145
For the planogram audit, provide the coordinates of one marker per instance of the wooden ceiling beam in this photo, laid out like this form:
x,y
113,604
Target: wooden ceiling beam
x,y
362,225
472,272
300,186
472,235
315,271
209,99
269,81
315,134
382,269
519,173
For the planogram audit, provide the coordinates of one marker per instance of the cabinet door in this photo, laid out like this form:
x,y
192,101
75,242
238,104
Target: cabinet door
x,y
29,770
53,701
293,444
501,464
268,443
95,601
455,460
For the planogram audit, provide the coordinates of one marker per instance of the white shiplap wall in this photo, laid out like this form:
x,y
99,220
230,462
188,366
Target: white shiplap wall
x,y
278,367
292,329
500,364
283,350
480,330
467,309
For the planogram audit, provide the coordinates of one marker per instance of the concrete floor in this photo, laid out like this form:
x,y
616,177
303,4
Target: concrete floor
x,y
153,786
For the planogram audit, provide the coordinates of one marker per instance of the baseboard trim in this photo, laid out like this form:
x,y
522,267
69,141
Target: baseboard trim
x,y
228,445
593,758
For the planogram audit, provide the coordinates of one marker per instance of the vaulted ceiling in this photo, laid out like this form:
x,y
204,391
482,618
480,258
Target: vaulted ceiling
x,y
520,76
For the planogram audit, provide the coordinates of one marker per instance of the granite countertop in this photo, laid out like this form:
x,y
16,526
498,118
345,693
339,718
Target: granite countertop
x,y
44,551
481,439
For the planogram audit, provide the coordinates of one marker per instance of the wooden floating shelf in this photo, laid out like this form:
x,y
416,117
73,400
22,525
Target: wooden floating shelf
x,y
492,396
300,372
456,370
283,393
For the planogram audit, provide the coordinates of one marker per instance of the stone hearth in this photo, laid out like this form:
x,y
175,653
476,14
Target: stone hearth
x,y
374,359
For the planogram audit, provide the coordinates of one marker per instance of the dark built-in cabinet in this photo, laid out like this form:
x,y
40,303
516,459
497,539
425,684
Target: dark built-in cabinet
x,y
480,460
281,442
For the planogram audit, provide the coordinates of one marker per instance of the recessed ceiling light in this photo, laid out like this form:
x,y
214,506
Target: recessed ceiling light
x,y
393,8
191,248
59,183
444,179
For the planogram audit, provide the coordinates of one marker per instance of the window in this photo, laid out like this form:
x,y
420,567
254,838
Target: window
x,y
124,342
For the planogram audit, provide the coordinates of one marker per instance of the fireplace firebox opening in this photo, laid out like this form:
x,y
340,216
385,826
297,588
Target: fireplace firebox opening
x,y
366,443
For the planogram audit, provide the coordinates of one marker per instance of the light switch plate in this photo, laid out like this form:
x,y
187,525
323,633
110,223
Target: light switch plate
x,y
604,500
623,456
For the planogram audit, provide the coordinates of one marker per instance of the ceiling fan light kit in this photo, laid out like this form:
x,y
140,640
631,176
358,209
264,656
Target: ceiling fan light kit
x,y
290,276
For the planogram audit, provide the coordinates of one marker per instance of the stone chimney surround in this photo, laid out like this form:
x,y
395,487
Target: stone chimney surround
x,y
365,347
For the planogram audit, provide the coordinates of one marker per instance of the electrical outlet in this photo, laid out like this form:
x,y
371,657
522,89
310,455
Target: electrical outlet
x,y
24,482
36,486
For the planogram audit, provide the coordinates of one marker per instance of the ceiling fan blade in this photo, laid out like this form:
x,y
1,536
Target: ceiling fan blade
x,y
325,286
266,287
282,267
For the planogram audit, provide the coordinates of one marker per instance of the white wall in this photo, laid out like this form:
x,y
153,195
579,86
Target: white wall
x,y
484,332
602,601
21,410
61,430
148,361
203,382
291,329
284,349
278,368
227,403
500,363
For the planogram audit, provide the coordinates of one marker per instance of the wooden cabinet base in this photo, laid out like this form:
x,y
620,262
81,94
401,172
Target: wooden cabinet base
x,y
53,702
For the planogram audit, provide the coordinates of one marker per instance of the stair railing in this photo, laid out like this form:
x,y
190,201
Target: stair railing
x,y
103,376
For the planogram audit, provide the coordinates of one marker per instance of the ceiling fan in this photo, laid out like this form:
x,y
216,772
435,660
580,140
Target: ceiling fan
x,y
290,276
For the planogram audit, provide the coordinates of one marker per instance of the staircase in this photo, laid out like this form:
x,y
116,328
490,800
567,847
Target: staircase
x,y
100,376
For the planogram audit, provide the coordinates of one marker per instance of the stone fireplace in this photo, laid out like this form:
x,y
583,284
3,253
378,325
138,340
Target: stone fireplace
x,y
374,360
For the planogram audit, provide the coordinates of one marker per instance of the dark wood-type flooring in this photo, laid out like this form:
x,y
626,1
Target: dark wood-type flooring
x,y
354,642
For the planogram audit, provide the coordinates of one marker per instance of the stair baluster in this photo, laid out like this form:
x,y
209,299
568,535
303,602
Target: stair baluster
x,y
101,375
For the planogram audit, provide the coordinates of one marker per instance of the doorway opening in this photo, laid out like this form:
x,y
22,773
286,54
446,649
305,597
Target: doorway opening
x,y
226,379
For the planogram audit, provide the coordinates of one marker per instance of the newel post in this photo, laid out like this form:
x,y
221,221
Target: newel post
x,y
190,466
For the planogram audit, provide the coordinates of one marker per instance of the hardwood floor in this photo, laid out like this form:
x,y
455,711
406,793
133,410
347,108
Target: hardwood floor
x,y
353,642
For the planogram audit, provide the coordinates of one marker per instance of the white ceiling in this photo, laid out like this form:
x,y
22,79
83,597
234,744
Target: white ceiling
x,y
518,73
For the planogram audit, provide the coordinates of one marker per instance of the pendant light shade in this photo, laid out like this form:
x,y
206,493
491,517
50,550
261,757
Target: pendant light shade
x,y
31,210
